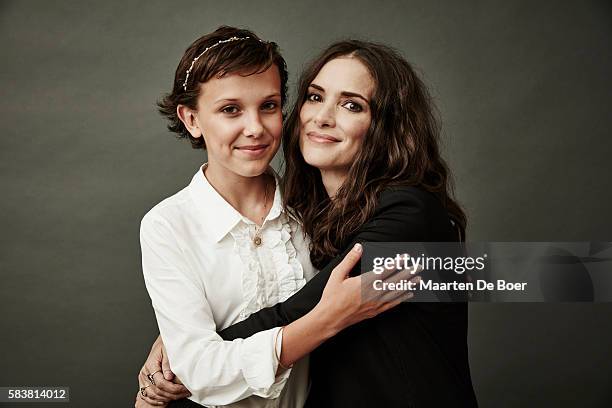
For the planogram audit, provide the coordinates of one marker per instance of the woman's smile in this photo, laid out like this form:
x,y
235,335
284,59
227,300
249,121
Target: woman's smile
x,y
321,137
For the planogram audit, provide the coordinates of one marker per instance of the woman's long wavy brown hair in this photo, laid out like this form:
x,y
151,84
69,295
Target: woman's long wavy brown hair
x,y
399,149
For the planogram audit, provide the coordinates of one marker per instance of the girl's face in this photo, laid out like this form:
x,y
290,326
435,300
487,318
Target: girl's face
x,y
240,119
336,115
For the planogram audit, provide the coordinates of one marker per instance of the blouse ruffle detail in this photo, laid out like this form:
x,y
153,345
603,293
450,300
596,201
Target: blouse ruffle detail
x,y
272,271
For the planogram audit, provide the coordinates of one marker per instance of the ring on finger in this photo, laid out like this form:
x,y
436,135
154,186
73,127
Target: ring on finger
x,y
150,376
143,390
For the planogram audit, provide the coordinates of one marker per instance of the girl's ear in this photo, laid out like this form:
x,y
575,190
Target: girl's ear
x,y
189,119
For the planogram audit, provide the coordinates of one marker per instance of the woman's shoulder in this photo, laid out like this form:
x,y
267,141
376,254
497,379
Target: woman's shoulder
x,y
414,199
406,213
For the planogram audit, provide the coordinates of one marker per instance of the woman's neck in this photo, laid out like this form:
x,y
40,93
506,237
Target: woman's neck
x,y
250,196
332,181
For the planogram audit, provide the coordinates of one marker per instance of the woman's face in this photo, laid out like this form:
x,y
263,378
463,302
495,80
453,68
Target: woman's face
x,y
240,118
336,115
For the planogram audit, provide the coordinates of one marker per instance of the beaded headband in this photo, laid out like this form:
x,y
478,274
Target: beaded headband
x,y
231,39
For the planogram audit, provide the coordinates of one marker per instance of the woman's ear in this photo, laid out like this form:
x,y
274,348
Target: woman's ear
x,y
189,119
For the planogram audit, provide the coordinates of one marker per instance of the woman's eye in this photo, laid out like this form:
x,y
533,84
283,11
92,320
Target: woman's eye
x,y
269,106
230,109
313,97
353,106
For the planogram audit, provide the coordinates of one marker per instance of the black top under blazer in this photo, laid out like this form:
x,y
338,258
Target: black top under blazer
x,y
414,355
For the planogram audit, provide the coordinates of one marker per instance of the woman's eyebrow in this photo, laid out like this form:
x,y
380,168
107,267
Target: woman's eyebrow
x,y
318,87
343,93
354,95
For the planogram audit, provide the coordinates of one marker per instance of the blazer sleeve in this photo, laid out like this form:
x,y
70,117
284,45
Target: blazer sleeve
x,y
400,217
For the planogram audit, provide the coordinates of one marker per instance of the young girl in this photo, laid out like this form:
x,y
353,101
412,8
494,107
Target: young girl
x,y
224,247
363,165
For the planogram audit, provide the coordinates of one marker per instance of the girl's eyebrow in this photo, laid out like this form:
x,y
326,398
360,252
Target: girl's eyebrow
x,y
343,93
227,100
272,95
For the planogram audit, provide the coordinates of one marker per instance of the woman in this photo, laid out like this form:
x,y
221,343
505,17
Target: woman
x,y
363,165
223,247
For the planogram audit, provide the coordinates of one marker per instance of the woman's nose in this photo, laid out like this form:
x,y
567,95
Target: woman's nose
x,y
326,116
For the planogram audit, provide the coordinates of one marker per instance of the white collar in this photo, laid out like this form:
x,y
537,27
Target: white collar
x,y
218,215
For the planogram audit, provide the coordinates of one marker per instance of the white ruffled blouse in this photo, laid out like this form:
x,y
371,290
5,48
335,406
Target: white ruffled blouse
x,y
203,273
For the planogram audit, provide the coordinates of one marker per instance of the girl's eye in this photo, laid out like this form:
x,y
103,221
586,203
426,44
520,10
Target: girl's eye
x,y
269,106
230,109
313,97
352,106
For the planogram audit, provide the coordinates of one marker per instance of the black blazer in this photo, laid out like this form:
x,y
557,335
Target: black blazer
x,y
412,356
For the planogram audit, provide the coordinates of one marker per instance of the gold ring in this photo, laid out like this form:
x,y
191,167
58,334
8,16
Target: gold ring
x,y
143,390
150,376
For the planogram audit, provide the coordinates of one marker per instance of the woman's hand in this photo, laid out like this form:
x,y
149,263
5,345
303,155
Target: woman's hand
x,y
341,303
141,403
162,386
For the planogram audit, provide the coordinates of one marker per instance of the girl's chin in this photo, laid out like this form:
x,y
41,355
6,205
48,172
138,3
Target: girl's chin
x,y
253,168
243,168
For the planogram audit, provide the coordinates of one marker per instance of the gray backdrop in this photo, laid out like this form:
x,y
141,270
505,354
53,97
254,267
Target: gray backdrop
x,y
524,93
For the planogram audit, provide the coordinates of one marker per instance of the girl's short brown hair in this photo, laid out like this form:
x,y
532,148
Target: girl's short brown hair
x,y
247,57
